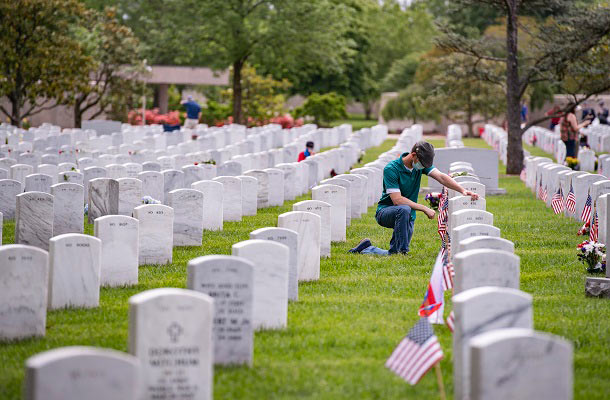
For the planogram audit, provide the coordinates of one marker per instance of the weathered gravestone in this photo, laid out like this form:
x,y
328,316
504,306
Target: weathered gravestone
x,y
289,238
72,177
103,198
170,332
516,363
229,168
156,236
481,267
322,209
68,213
9,189
307,225
336,196
470,216
276,186
231,195
188,216
484,242
89,174
130,195
20,171
263,186
348,195
481,310
78,372
119,236
24,281
249,194
38,183
34,219
466,231
74,271
270,261
152,184
357,185
172,179
212,204
290,180
229,280
464,203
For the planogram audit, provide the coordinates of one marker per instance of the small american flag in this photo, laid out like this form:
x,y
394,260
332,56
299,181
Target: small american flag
x,y
449,321
416,353
442,214
448,271
594,228
540,190
544,195
571,200
586,211
557,202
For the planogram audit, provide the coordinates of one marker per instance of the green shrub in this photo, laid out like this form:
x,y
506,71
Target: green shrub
x,y
323,108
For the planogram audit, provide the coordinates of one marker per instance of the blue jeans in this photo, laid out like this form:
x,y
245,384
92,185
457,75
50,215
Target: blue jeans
x,y
399,219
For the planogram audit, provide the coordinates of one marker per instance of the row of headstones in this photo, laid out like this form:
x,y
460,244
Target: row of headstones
x,y
493,323
250,290
598,137
542,173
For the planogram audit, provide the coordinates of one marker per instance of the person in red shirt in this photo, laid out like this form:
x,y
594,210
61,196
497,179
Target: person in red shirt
x,y
308,151
556,116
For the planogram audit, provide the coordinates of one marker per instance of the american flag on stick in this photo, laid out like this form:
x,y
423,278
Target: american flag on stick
x,y
416,353
540,190
586,211
571,200
449,321
448,271
557,201
442,214
593,232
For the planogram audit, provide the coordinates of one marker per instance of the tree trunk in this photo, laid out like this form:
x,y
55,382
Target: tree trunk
x,y
16,111
368,109
78,115
469,115
514,163
237,92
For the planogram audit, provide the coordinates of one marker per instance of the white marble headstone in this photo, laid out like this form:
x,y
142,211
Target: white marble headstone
x,y
307,225
156,236
9,189
103,198
34,219
232,197
212,204
249,194
321,209
188,216
229,280
336,196
130,195
120,248
482,267
152,184
68,212
263,186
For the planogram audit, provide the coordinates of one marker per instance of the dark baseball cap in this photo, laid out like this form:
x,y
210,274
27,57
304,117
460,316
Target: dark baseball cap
x,y
424,152
309,144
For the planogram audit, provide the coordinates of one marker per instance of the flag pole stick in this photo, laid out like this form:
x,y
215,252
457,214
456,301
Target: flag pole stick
x,y
439,380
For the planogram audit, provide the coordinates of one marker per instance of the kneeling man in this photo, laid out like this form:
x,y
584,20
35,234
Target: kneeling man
x,y
398,204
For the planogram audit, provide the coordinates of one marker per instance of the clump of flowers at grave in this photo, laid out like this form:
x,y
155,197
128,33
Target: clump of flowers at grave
x,y
456,174
572,163
149,200
433,200
593,255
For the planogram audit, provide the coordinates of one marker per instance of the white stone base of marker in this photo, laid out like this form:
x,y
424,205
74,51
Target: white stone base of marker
x,y
515,363
120,249
156,235
307,225
82,373
170,331
322,209
270,261
24,282
74,271
229,280
289,238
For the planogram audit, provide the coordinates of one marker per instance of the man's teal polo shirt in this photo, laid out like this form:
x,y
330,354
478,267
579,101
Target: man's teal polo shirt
x,y
397,177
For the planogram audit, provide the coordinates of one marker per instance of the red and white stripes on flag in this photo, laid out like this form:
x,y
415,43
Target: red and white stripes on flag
x,y
442,213
416,353
448,271
544,194
557,202
540,190
586,211
594,231
450,321
571,200
433,300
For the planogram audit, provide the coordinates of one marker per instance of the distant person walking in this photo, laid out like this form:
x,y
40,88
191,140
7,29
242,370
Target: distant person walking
x,y
555,115
308,151
570,130
193,113
523,114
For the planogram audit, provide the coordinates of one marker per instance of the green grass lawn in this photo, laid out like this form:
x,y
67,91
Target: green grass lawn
x,y
345,325
357,121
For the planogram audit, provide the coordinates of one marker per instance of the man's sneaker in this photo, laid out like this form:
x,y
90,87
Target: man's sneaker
x,y
364,243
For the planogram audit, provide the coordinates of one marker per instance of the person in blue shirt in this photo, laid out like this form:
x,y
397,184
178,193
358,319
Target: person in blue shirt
x,y
398,204
193,112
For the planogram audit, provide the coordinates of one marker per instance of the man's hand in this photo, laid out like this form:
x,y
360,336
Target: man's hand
x,y
472,195
429,212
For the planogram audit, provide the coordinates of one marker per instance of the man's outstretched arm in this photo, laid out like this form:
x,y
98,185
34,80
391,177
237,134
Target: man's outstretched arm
x,y
449,182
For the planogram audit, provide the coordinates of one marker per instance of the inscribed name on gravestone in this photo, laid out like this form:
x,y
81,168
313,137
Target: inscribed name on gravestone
x,y
229,280
170,331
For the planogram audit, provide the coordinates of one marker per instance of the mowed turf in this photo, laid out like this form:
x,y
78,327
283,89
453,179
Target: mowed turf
x,y
345,325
